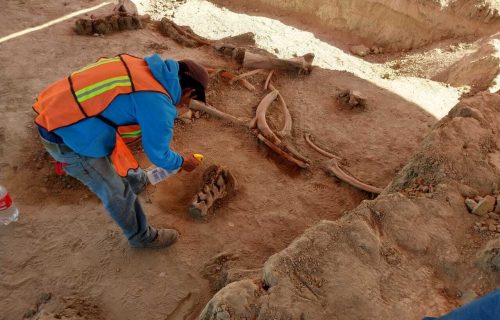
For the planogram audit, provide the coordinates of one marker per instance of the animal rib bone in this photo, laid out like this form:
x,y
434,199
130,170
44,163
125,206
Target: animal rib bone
x,y
260,116
282,153
287,126
307,136
333,168
268,79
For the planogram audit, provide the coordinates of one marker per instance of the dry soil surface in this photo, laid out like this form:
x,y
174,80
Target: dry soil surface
x,y
66,257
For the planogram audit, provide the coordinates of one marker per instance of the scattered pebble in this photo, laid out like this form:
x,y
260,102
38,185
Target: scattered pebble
x,y
471,204
486,205
360,50
494,215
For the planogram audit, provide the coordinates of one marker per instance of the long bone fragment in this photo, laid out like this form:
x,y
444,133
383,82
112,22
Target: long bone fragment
x,y
268,79
244,75
200,106
283,154
333,168
230,76
301,64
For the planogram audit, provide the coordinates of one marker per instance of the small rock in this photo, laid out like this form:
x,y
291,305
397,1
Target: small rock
x,y
471,204
484,206
197,115
186,116
356,98
483,228
29,313
494,216
45,297
145,18
375,50
162,274
118,269
478,198
477,224
360,50
380,50
490,221
276,50
425,189
468,296
492,227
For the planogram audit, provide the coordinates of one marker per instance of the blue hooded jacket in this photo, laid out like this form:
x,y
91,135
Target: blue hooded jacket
x,y
153,111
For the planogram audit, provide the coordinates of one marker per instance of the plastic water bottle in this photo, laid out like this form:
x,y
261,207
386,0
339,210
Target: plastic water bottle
x,y
156,174
8,210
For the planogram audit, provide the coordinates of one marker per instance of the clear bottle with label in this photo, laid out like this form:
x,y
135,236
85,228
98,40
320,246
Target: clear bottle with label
x,y
8,210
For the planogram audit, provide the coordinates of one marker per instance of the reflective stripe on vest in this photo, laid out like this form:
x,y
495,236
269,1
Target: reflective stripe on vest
x,y
90,90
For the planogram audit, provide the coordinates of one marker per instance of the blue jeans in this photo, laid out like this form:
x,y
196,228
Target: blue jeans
x,y
118,195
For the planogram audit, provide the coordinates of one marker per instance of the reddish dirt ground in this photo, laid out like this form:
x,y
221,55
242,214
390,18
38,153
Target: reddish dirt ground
x,y
66,245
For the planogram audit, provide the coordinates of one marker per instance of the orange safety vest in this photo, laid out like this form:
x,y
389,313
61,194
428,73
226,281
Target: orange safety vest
x,y
89,91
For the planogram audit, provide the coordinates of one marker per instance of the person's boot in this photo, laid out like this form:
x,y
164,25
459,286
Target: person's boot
x,y
163,239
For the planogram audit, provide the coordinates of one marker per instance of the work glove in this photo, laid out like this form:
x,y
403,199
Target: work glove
x,y
190,163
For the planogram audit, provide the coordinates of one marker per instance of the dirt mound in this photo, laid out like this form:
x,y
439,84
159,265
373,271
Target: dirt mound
x,y
478,70
403,255
393,25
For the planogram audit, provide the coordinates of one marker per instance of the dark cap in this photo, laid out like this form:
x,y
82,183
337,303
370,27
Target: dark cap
x,y
193,75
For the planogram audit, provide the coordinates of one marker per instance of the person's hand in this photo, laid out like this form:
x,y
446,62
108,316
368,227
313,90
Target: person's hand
x,y
183,105
190,163
186,97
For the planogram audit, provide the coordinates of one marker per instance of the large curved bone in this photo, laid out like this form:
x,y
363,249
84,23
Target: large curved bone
x,y
333,168
287,126
261,123
260,116
307,136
